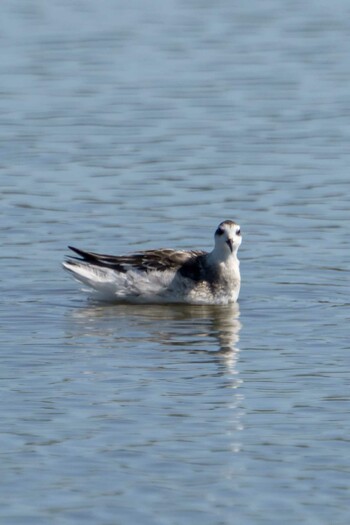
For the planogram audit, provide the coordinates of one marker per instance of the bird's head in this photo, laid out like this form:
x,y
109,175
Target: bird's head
x,y
227,238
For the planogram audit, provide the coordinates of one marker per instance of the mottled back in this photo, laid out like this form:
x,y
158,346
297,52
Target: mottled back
x,y
149,260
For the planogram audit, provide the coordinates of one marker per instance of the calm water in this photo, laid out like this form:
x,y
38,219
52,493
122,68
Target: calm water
x,y
125,126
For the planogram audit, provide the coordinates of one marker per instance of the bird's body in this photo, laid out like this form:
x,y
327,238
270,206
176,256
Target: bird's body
x,y
165,275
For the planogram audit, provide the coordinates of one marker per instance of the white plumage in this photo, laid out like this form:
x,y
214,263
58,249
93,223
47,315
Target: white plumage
x,y
165,275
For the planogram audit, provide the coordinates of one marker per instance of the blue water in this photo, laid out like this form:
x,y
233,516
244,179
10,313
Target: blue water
x,y
127,126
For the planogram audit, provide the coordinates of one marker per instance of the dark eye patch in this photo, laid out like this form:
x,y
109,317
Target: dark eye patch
x,y
219,231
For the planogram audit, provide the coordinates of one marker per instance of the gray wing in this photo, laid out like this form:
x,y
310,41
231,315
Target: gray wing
x,y
160,260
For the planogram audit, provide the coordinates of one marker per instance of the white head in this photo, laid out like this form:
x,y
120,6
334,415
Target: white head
x,y
227,239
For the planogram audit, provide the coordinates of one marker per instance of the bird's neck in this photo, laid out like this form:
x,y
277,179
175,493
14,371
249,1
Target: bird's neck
x,y
223,257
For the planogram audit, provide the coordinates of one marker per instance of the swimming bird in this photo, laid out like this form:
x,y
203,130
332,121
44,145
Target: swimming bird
x,y
165,275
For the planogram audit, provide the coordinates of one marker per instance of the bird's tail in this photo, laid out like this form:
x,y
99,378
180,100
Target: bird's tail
x,y
98,279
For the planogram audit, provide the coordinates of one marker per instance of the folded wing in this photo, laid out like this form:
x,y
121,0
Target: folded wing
x,y
150,260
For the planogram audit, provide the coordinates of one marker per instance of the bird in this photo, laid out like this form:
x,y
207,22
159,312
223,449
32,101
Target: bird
x,y
165,275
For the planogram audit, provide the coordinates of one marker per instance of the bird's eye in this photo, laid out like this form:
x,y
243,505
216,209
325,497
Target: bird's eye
x,y
238,232
219,231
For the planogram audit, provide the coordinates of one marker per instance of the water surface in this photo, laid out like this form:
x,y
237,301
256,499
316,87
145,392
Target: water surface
x,y
126,127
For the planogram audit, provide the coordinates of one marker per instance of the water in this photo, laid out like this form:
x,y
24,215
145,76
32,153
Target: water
x,y
127,126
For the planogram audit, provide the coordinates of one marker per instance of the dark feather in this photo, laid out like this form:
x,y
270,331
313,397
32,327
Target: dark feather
x,y
193,268
150,260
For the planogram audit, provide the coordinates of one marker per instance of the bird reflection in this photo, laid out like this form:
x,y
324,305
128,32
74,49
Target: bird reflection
x,y
210,330
178,348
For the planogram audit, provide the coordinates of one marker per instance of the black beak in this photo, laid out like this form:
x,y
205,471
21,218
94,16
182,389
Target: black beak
x,y
229,242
